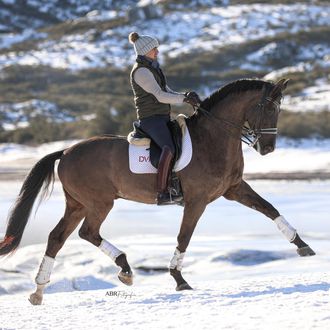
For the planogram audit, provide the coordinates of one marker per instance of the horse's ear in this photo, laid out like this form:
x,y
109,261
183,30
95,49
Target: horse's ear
x,y
279,87
282,84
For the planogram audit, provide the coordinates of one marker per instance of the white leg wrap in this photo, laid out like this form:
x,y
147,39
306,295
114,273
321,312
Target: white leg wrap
x,y
110,250
45,270
177,260
287,230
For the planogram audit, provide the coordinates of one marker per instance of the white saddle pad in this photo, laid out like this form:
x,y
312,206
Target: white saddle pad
x,y
139,159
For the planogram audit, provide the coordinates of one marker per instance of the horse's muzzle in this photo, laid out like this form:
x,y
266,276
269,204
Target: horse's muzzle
x,y
266,150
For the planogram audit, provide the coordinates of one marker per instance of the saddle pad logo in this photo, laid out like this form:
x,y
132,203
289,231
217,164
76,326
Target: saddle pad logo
x,y
139,158
144,159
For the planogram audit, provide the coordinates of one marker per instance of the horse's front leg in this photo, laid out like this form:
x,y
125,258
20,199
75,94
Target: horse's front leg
x,y
245,195
192,212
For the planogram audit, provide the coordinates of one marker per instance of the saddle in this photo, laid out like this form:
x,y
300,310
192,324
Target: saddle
x,y
141,138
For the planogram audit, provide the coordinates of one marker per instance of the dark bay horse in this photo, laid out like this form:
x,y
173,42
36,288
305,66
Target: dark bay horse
x,y
95,172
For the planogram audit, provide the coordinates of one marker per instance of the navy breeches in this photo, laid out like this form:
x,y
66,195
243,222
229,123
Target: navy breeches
x,y
156,127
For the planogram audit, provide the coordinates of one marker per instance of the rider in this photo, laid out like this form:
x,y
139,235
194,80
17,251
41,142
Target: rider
x,y
153,99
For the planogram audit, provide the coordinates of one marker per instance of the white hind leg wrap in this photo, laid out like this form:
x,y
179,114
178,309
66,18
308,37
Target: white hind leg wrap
x,y
177,260
45,270
110,250
285,228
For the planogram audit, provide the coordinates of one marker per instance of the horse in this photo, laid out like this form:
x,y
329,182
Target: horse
x,y
95,172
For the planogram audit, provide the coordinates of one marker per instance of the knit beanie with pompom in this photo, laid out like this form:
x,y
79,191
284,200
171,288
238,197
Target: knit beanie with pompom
x,y
142,44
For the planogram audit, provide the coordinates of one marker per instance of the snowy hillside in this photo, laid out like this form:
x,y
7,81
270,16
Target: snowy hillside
x,y
16,15
185,34
204,44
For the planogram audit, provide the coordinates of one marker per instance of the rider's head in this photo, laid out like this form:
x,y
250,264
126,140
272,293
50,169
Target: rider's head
x,y
144,45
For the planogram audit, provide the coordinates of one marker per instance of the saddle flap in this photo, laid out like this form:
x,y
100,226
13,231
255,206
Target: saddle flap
x,y
139,157
140,138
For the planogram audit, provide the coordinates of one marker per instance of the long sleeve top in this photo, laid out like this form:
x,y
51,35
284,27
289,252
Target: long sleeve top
x,y
145,79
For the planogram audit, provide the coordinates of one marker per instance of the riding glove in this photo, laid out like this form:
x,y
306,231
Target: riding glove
x,y
192,98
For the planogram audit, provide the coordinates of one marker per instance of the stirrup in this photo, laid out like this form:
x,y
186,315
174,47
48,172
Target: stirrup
x,y
166,198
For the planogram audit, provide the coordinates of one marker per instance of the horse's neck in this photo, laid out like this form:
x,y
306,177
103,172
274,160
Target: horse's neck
x,y
221,131
230,114
234,107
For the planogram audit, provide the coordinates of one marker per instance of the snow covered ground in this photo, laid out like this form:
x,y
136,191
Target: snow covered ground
x,y
304,203
238,284
245,275
305,155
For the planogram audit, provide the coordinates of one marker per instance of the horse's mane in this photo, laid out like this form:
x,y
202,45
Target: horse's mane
x,y
241,85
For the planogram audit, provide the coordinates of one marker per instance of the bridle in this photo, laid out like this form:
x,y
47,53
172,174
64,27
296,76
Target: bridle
x,y
249,136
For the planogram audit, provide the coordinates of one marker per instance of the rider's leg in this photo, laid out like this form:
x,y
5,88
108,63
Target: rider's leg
x,y
164,169
156,127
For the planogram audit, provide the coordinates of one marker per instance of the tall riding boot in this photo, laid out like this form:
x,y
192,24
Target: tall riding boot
x,y
164,168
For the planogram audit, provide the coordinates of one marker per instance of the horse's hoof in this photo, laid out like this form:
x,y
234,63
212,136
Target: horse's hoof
x,y
305,251
126,278
35,299
183,286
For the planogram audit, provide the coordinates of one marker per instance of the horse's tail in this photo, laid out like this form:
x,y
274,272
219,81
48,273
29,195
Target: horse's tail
x,y
41,174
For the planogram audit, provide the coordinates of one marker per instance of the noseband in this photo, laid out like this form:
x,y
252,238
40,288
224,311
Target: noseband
x,y
250,136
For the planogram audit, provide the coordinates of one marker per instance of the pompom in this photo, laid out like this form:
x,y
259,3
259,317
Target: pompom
x,y
133,36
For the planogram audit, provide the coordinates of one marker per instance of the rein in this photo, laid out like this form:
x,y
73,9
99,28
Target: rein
x,y
249,136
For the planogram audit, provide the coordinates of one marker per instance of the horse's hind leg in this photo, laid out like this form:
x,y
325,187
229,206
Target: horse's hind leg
x,y
90,231
245,195
74,213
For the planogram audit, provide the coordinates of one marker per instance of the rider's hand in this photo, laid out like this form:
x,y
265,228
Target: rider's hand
x,y
192,98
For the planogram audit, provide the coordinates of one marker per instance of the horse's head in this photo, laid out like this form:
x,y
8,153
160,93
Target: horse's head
x,y
262,119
